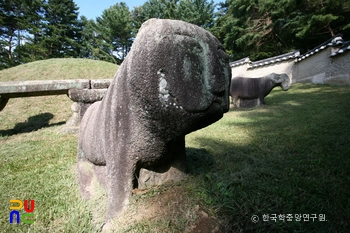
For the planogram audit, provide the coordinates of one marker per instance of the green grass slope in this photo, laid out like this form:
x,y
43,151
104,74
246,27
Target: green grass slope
x,y
60,68
22,114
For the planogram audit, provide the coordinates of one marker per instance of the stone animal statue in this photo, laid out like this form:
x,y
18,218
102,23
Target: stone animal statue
x,y
175,80
256,88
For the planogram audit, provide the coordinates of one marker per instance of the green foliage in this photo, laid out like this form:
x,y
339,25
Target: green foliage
x,y
38,29
199,12
150,9
93,44
115,27
12,14
34,48
261,29
61,29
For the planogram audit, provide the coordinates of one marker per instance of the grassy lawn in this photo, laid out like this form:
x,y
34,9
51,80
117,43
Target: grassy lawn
x,y
291,156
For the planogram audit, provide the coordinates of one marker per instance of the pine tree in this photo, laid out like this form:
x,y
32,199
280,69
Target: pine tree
x,y
115,25
93,44
260,29
11,30
62,29
310,23
199,12
150,9
33,49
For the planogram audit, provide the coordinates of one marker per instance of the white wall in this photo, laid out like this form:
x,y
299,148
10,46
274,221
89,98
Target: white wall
x,y
317,67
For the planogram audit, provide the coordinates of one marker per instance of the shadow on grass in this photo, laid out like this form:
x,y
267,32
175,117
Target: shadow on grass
x,y
294,161
199,161
33,123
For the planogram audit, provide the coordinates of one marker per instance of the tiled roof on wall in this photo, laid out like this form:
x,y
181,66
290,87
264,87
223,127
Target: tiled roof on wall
x,y
240,62
267,61
334,41
271,60
344,48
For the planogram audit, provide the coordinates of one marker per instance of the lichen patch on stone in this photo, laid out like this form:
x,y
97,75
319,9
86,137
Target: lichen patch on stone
x,y
163,89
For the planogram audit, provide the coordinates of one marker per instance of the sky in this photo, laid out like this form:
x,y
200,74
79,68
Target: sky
x,y
92,9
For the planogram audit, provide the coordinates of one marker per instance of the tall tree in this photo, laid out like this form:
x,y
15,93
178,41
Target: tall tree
x,y
33,49
309,23
93,44
199,12
38,29
116,26
246,30
62,29
13,24
150,9
171,9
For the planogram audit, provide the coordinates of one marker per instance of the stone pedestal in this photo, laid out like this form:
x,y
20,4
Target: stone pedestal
x,y
246,103
83,99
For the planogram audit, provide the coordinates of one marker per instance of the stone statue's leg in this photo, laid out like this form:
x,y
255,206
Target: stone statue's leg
x,y
234,101
90,178
261,101
174,170
120,184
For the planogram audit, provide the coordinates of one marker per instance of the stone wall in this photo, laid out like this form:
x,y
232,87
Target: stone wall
x,y
313,69
340,70
279,64
280,67
323,68
328,63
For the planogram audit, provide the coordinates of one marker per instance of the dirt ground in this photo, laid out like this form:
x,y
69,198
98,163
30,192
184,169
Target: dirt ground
x,y
167,209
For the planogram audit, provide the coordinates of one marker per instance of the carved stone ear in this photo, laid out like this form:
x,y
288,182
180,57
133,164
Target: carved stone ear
x,y
282,79
276,78
285,81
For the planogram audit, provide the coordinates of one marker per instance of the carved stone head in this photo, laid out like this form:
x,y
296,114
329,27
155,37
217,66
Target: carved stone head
x,y
181,70
281,80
